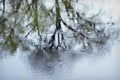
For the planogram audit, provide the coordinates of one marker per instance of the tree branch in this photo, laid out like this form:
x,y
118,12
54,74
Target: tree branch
x,y
29,32
70,28
3,7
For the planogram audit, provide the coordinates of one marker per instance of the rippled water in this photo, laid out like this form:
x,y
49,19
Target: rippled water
x,y
66,66
102,64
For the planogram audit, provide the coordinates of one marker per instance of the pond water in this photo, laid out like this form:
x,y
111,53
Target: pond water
x,y
67,66
102,64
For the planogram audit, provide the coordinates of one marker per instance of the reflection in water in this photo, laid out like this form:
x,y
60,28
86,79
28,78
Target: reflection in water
x,y
44,60
65,66
102,64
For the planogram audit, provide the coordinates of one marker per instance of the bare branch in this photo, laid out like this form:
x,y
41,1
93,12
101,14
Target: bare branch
x,y
29,32
3,7
70,28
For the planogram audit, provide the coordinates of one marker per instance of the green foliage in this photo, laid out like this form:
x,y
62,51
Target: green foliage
x,y
10,43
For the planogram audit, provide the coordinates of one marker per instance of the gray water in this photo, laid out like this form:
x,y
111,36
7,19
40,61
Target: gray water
x,y
102,64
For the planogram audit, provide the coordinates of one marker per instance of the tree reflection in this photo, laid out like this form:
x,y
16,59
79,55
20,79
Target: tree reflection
x,y
20,19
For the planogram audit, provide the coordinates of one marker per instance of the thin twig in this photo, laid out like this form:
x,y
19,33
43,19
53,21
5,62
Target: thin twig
x,y
70,28
3,7
29,32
